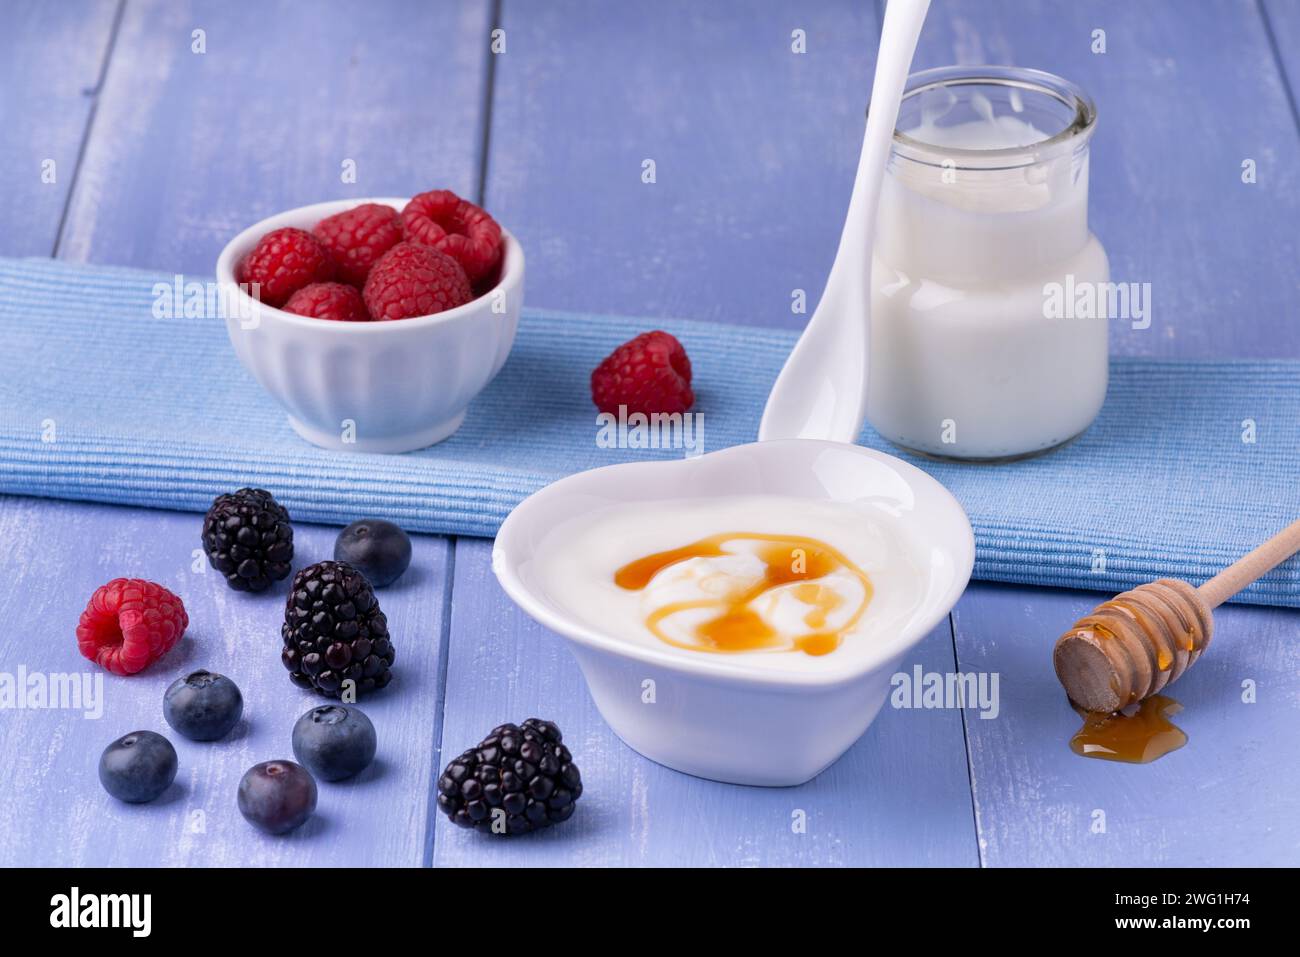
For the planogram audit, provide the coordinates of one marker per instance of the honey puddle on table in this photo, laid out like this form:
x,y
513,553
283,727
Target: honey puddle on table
x,y
1138,737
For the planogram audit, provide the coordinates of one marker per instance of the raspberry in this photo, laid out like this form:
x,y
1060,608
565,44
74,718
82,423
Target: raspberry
x,y
329,300
413,280
457,227
283,261
648,374
129,624
357,238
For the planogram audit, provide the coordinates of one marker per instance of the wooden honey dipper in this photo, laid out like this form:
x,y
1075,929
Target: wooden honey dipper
x,y
1134,645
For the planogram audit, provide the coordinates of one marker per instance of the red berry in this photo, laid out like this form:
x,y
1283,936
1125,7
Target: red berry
x,y
329,300
130,623
457,227
356,238
413,280
650,373
283,261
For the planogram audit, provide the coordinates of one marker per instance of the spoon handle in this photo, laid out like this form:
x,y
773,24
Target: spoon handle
x,y
902,27
1252,565
821,392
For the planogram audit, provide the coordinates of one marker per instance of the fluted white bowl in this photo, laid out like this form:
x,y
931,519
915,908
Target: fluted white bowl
x,y
720,716
371,386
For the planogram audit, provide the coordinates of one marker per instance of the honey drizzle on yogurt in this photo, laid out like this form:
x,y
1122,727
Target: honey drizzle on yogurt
x,y
737,627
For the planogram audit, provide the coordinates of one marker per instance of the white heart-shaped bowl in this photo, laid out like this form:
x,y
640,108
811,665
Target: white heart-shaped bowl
x,y
732,717
371,386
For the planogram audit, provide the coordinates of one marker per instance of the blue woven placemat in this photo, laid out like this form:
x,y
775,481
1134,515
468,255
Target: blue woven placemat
x,y
101,401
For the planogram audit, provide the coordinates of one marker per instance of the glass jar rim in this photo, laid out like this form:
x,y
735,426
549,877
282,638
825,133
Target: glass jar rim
x,y
1078,131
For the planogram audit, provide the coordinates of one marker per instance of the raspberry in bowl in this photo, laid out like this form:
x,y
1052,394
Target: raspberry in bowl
x,y
394,367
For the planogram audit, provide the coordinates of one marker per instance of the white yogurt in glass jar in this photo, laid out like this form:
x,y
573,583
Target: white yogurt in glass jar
x,y
984,209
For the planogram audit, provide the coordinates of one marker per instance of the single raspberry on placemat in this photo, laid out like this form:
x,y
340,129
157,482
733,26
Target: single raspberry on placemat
x,y
650,373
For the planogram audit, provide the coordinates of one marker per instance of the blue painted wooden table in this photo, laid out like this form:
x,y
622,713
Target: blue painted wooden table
x,y
159,153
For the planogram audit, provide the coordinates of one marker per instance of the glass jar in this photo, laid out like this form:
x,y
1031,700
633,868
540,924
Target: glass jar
x,y
982,241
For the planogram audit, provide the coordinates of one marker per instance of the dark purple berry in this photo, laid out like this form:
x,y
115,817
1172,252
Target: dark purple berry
x,y
203,706
519,778
378,549
335,635
248,538
334,741
138,767
277,796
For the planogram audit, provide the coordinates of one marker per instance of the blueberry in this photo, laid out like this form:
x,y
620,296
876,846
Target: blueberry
x,y
203,706
277,796
334,741
138,767
379,550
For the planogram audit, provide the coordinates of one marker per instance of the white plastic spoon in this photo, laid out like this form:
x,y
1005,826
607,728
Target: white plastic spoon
x,y
821,392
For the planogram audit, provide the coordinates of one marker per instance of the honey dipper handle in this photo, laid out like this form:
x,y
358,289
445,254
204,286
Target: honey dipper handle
x,y
1251,566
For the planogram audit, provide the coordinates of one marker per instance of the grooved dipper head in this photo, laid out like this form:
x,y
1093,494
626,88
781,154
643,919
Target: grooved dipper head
x,y
1132,646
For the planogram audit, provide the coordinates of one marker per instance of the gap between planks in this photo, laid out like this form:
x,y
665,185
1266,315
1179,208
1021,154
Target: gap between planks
x,y
453,541
93,93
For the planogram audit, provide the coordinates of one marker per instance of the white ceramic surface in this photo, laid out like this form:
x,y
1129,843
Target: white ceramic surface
x,y
717,716
821,392
391,386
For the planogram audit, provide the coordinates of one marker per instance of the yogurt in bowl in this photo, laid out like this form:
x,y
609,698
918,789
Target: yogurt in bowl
x,y
730,577
739,616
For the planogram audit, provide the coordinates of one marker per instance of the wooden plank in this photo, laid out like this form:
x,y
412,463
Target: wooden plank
x,y
1168,201
754,145
1230,797
1186,92
50,61
189,148
53,556
899,797
1282,20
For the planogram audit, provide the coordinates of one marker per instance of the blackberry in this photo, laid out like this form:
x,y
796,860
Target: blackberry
x,y
334,631
248,539
518,779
